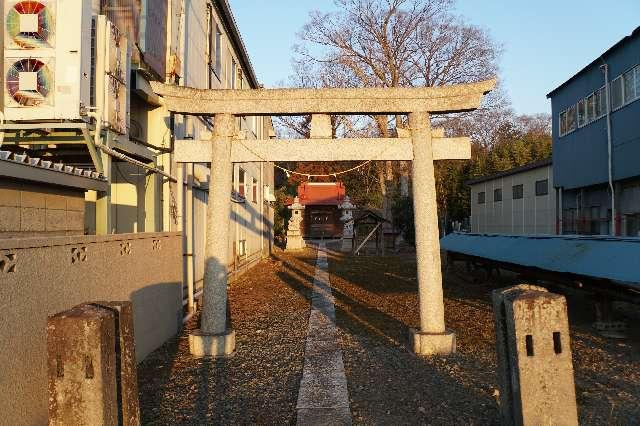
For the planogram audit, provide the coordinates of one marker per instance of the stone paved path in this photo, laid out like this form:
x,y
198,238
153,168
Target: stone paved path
x,y
323,398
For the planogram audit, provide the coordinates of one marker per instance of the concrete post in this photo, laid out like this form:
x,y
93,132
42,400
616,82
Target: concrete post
x,y
127,367
432,338
213,338
82,367
535,370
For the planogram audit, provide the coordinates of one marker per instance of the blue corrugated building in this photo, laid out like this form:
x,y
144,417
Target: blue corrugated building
x,y
586,172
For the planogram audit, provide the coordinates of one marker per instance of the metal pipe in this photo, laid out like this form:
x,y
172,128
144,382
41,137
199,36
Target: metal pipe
x,y
188,227
123,157
612,229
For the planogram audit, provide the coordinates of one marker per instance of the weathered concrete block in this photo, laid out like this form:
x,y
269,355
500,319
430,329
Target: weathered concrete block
x,y
125,360
432,343
56,220
212,345
32,199
82,367
75,203
32,219
75,220
55,201
9,219
534,357
9,197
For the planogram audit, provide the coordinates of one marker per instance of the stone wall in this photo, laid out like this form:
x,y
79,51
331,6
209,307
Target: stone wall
x,y
43,276
28,209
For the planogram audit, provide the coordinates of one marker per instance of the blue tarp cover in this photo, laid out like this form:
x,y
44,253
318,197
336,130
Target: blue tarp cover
x,y
610,258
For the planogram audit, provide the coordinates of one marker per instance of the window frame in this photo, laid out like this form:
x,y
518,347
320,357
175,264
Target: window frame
x,y
513,191
611,87
546,188
254,190
495,192
482,197
241,182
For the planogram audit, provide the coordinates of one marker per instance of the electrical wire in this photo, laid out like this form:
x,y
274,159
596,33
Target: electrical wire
x,y
310,175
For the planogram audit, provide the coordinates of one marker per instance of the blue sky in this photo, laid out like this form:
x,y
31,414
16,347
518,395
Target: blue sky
x,y
545,42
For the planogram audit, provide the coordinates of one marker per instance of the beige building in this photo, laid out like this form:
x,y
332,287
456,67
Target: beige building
x,y
87,165
520,201
115,125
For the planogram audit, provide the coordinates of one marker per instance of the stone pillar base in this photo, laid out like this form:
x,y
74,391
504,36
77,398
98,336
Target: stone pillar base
x,y
347,245
295,242
432,343
212,345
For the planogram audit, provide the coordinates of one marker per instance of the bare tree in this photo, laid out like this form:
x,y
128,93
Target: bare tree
x,y
390,43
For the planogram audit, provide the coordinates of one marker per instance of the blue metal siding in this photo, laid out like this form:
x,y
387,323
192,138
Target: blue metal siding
x,y
599,257
580,158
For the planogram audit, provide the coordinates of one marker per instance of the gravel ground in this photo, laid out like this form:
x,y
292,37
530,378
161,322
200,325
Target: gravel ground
x,y
259,384
376,304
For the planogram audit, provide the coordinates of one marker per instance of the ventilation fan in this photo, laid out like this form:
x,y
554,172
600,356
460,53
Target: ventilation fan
x,y
30,82
30,25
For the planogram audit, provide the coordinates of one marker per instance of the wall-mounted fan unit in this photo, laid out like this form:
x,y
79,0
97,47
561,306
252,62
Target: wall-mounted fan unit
x,y
29,82
47,59
30,24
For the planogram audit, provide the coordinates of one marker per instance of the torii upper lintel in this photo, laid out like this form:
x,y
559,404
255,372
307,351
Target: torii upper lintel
x,y
364,101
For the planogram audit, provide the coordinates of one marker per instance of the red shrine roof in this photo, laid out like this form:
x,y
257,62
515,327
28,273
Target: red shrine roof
x,y
325,194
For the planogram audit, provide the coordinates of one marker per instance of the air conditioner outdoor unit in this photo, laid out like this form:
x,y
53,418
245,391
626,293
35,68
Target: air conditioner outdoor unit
x,y
47,59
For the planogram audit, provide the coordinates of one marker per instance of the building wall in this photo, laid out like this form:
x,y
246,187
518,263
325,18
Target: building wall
x,y
580,158
28,209
588,210
531,215
44,276
251,222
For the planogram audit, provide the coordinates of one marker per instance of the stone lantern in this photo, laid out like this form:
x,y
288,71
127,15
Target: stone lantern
x,y
294,231
347,208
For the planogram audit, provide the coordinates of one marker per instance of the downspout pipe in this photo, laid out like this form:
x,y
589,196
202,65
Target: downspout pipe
x,y
605,69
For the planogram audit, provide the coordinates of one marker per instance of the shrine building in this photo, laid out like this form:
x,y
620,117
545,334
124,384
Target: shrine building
x,y
321,213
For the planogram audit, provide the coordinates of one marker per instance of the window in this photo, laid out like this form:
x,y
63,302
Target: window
x,y
234,71
497,195
241,177
571,118
218,63
215,62
481,197
590,106
542,187
568,120
563,123
242,247
599,103
517,192
582,120
254,191
629,82
616,93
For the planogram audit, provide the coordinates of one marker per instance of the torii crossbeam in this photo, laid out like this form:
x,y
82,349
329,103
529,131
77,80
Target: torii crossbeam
x,y
422,146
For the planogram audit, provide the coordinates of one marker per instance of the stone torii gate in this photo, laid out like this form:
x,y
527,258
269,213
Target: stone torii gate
x,y
422,146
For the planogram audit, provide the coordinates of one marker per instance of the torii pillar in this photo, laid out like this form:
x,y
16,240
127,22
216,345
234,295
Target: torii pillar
x,y
214,338
432,338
